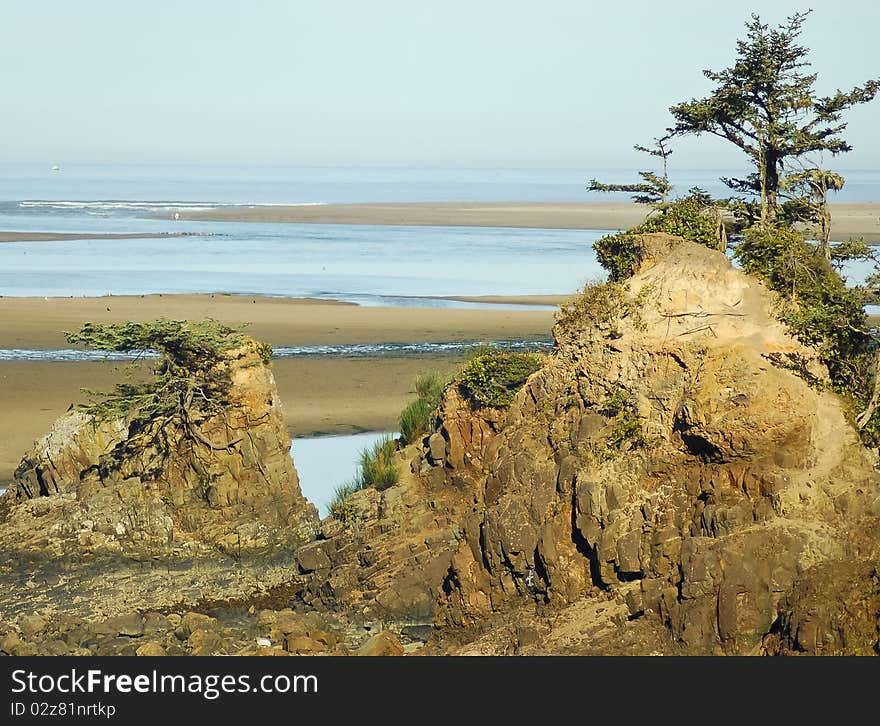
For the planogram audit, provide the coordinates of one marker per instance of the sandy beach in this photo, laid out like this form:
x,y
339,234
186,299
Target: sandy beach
x,y
38,323
562,215
320,395
849,218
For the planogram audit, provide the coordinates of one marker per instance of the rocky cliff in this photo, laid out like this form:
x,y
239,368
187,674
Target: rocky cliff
x,y
167,488
112,512
676,478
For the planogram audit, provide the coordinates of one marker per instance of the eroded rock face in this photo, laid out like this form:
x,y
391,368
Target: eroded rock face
x,y
741,479
832,610
101,486
665,483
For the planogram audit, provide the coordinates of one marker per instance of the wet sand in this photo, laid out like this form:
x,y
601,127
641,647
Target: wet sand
x,y
39,322
849,218
557,215
319,395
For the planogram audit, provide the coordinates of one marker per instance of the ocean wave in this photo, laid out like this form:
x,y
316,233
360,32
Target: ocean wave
x,y
71,354
116,205
398,349
358,350
150,205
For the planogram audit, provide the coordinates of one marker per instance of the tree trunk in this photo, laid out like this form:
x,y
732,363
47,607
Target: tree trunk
x,y
762,171
771,183
825,231
865,416
720,229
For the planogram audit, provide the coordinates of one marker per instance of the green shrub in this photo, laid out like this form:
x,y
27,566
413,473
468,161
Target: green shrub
x,y
479,350
492,379
264,350
430,385
415,419
620,254
625,426
190,373
340,505
377,469
378,466
822,312
603,306
189,382
693,217
618,400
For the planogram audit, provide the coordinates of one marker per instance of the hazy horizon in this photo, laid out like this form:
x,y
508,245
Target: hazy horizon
x,y
489,85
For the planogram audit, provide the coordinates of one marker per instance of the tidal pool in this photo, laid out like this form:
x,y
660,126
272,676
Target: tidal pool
x,y
325,462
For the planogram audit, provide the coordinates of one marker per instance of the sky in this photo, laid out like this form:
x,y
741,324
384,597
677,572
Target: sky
x,y
461,83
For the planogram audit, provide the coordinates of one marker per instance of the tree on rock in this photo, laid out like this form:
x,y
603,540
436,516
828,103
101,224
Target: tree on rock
x,y
190,382
654,188
809,202
767,106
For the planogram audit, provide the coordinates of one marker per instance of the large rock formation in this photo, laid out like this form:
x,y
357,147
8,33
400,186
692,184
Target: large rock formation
x,y
110,515
675,479
168,488
672,479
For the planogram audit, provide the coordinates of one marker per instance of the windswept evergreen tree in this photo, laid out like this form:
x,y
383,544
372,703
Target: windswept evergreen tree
x,y
766,104
808,191
654,189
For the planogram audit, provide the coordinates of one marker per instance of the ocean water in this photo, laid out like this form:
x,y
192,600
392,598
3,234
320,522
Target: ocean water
x,y
209,186
327,462
354,350
359,263
412,266
370,265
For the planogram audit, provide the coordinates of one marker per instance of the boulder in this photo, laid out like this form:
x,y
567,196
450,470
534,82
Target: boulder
x,y
150,649
191,622
303,644
673,448
381,644
206,642
31,625
9,643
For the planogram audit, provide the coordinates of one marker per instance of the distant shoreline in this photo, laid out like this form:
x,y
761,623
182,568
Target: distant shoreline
x,y
65,236
849,218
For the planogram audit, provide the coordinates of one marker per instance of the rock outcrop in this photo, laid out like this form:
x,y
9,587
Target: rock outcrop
x,y
670,480
107,517
675,479
167,490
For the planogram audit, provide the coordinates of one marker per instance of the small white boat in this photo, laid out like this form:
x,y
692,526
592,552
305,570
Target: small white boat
x,y
55,167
